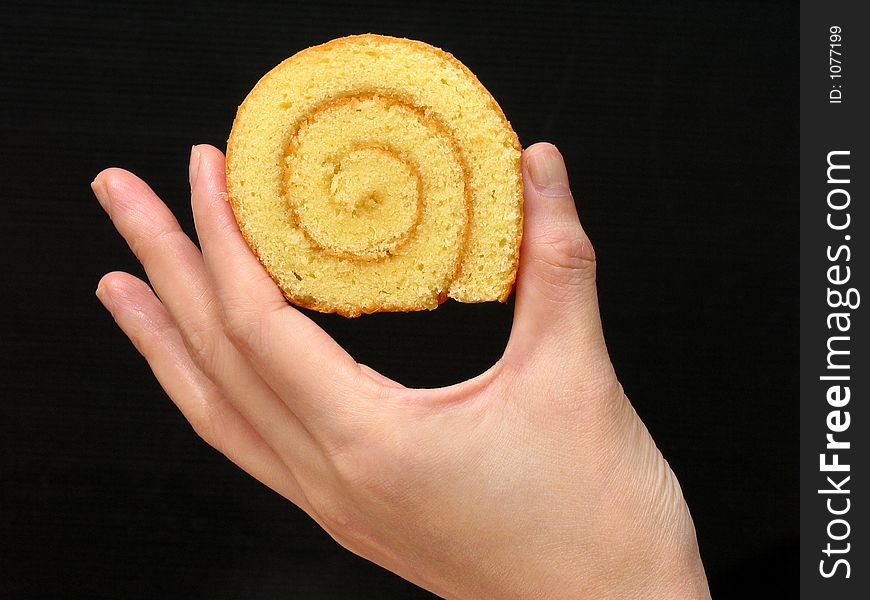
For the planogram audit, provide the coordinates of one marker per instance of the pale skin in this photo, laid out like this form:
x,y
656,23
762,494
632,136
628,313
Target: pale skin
x,y
535,479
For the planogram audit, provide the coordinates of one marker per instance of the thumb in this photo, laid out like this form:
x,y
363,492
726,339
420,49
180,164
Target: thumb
x,y
556,301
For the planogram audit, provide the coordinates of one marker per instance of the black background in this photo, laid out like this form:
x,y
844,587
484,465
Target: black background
x,y
679,122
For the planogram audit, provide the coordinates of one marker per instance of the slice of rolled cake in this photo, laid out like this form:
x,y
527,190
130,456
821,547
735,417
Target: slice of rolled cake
x,y
374,173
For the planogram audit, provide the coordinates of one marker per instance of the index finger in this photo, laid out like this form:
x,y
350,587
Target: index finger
x,y
299,360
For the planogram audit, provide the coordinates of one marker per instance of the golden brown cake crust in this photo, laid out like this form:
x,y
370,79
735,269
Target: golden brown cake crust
x,y
349,310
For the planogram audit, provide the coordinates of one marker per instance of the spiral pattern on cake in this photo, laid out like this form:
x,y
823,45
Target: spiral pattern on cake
x,y
377,174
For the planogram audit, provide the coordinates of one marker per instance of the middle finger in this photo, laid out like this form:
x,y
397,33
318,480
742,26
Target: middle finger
x,y
176,270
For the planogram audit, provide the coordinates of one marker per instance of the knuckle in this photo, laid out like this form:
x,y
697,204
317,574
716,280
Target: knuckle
x,y
207,424
195,321
564,260
148,243
201,344
245,317
566,249
139,342
197,326
243,326
353,457
365,444
339,520
379,468
152,337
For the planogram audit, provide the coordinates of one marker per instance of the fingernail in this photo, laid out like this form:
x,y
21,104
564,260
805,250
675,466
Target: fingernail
x,y
193,169
547,170
103,297
99,189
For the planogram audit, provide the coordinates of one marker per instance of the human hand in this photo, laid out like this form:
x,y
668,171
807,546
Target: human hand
x,y
535,479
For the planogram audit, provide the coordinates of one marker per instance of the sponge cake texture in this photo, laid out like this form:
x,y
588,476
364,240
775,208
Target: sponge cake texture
x,y
374,173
